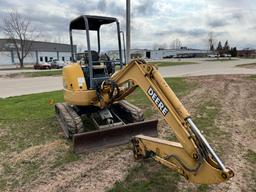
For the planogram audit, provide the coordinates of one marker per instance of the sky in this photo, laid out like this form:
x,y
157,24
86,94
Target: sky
x,y
154,23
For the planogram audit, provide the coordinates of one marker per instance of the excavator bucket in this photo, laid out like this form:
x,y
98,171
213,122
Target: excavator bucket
x,y
109,137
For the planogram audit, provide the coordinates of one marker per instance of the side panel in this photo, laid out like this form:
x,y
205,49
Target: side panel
x,y
75,89
73,78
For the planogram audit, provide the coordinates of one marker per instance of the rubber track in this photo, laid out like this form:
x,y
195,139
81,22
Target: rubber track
x,y
136,112
68,117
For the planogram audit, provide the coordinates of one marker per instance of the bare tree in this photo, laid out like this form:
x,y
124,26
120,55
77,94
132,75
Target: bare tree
x,y
211,41
177,44
212,48
18,29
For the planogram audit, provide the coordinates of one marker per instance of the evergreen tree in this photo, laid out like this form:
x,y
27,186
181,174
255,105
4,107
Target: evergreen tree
x,y
219,47
233,52
226,48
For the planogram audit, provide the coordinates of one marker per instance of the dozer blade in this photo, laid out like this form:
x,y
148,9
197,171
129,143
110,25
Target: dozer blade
x,y
110,137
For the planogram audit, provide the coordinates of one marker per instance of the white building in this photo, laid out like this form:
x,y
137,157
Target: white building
x,y
39,52
162,53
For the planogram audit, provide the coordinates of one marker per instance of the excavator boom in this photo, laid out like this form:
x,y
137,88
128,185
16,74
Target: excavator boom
x,y
192,157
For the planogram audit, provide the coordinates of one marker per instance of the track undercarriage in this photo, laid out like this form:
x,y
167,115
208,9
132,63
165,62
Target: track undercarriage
x,y
94,128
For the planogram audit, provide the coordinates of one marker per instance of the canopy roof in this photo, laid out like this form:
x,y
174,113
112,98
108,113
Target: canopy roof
x,y
94,22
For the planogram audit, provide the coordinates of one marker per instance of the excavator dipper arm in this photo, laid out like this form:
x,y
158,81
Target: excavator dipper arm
x,y
192,157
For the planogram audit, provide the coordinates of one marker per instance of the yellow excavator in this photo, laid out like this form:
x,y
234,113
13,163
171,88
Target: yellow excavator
x,y
96,115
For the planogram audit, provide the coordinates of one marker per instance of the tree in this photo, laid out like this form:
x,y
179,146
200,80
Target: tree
x,y
226,48
18,29
233,52
211,41
177,44
212,48
219,47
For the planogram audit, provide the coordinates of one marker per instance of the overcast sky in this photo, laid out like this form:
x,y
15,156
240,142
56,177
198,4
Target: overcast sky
x,y
154,22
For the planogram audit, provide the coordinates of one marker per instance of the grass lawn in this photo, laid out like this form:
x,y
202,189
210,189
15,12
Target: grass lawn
x,y
248,65
26,123
171,63
252,77
148,176
14,68
34,74
251,157
222,59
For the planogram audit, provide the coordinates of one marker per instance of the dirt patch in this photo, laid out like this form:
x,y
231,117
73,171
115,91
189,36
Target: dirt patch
x,y
3,132
95,172
39,152
236,94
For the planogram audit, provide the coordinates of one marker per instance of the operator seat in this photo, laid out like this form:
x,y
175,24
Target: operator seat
x,y
97,71
95,58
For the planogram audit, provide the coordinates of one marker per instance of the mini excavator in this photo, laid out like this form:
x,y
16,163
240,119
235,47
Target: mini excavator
x,y
96,115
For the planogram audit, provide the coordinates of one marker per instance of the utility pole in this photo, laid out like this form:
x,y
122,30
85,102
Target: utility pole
x,y
128,29
121,32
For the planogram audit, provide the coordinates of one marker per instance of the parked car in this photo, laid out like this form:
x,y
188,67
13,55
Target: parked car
x,y
57,64
213,55
42,65
168,57
226,55
68,62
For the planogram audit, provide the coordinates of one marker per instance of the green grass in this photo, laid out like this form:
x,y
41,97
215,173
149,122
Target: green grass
x,y
203,188
28,120
64,157
247,65
251,156
207,113
25,122
247,57
148,176
171,63
34,74
253,77
14,68
222,60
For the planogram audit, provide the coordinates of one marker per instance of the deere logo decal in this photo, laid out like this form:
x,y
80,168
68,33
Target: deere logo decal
x,y
157,101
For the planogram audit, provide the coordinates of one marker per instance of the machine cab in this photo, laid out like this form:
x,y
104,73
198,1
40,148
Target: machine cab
x,y
96,68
